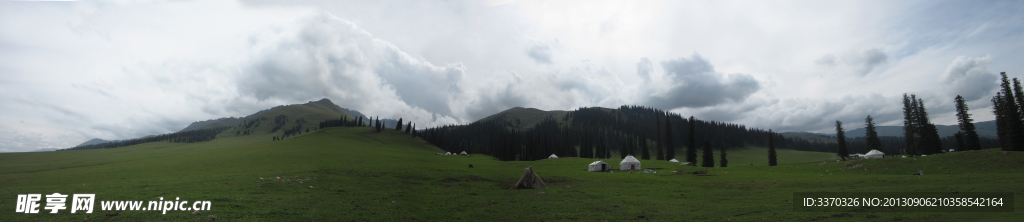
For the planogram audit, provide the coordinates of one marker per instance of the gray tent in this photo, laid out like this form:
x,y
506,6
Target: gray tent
x,y
530,180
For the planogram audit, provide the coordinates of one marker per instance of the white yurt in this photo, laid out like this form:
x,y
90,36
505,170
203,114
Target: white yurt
x,y
874,154
552,156
597,166
463,153
629,163
448,153
673,160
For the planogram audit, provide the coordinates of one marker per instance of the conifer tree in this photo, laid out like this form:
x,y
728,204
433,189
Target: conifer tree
x,y
841,141
1011,112
691,147
871,136
645,152
723,162
930,142
413,130
623,151
970,134
908,125
670,146
1001,125
660,149
399,125
708,157
772,159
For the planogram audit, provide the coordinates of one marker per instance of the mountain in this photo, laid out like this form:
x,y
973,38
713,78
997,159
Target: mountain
x,y
95,141
290,119
531,134
277,120
527,117
985,129
227,121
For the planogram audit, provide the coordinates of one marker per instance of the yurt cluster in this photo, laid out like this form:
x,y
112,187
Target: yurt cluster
x,y
629,163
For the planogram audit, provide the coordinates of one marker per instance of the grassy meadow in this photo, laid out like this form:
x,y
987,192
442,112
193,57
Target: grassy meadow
x,y
359,175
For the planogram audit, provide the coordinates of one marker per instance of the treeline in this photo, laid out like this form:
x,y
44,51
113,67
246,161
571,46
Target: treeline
x,y
192,136
377,124
1009,115
595,132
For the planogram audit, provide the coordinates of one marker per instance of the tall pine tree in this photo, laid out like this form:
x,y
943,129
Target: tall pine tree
x,y
645,152
1001,125
670,146
841,141
708,157
723,162
871,136
909,136
970,134
1011,112
772,158
691,147
660,149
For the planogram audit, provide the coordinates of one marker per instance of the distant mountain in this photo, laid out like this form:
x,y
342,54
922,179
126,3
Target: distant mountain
x,y
95,141
527,117
985,129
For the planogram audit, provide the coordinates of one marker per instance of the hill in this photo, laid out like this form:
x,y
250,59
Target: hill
x,y
351,173
226,121
602,130
525,117
280,120
95,141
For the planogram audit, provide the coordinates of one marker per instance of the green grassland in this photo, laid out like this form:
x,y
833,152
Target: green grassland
x,y
359,175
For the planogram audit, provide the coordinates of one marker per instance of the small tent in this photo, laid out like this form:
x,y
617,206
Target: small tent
x,y
673,160
530,180
874,154
629,163
598,166
552,156
463,153
448,153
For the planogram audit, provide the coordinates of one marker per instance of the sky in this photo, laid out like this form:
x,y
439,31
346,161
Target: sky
x,y
73,71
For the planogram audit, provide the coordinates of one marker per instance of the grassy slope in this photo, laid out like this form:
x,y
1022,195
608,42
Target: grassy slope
x,y
360,175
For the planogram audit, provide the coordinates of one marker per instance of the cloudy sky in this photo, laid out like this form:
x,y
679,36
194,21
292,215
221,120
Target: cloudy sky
x,y
72,71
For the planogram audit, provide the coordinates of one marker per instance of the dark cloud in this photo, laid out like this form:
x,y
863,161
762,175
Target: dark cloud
x,y
826,60
498,101
969,77
693,83
644,68
869,59
540,52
